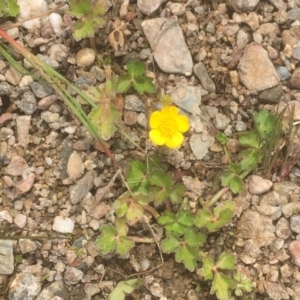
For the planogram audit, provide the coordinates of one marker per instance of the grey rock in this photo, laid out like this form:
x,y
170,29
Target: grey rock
x,y
286,271
295,79
242,5
202,74
274,290
273,198
49,117
41,89
296,51
98,73
148,7
73,275
291,208
276,245
82,187
221,121
279,4
49,61
255,69
283,73
5,88
7,257
188,98
168,45
54,289
295,223
58,52
283,230
286,188
200,143
5,133
132,102
24,287
272,95
266,29
240,126
27,246
294,14
83,81
145,53
294,249
242,38
28,103
273,212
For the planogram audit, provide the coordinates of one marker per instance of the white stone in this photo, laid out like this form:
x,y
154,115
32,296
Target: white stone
x,y
258,185
20,220
63,225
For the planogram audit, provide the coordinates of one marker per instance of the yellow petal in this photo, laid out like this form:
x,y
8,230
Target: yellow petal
x,y
183,123
155,119
156,137
170,111
175,141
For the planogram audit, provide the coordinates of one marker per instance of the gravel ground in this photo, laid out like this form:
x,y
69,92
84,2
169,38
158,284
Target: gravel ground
x,y
221,62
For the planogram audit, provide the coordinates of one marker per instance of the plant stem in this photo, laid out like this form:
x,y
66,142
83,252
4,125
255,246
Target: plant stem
x,y
214,199
138,239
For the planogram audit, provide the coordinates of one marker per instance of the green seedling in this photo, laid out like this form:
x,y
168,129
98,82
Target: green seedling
x,y
131,207
136,79
220,216
9,8
115,238
105,116
124,288
221,283
263,139
185,246
90,17
242,284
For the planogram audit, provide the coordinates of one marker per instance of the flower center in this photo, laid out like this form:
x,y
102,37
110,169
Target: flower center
x,y
167,127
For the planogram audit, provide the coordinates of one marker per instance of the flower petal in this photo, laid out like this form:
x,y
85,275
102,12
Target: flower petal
x,y
155,119
175,141
183,123
156,137
170,111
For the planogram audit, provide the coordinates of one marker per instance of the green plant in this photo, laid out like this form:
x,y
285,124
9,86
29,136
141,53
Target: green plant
x,y
90,17
263,139
123,288
9,8
136,79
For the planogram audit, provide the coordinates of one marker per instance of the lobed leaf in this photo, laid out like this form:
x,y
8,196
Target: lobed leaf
x,y
123,288
124,83
83,29
136,68
250,139
208,265
222,286
144,84
170,243
226,261
188,256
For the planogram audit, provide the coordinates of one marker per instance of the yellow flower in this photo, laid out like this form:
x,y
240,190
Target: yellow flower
x,y
167,127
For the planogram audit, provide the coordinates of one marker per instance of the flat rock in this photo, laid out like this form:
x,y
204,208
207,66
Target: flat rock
x,y
188,98
295,223
5,118
28,103
17,166
272,95
258,185
27,245
286,188
73,275
83,186
54,289
274,290
7,257
283,230
148,7
202,74
200,143
85,57
63,225
256,227
168,45
256,70
13,76
26,184
294,249
23,125
242,5
24,287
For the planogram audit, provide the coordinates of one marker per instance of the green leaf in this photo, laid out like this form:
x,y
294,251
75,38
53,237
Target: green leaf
x,y
202,218
13,8
178,223
110,239
236,184
105,118
208,265
250,139
235,168
226,261
83,29
136,68
120,208
222,138
243,283
136,173
79,8
222,286
161,178
144,84
188,256
264,123
176,193
193,238
158,194
123,288
170,243
250,159
124,83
